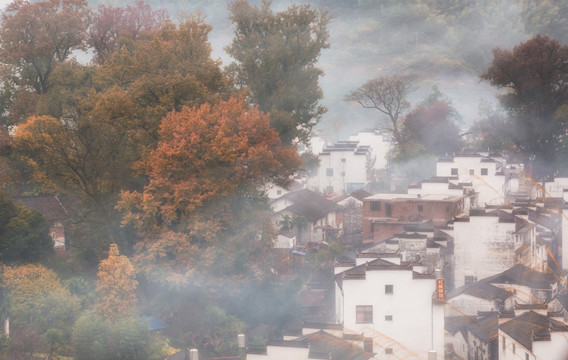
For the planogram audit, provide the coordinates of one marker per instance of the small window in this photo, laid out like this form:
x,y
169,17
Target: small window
x,y
420,208
278,192
526,356
343,173
329,172
514,348
504,343
388,317
329,189
484,171
388,351
342,159
471,172
469,279
375,206
454,171
364,314
389,289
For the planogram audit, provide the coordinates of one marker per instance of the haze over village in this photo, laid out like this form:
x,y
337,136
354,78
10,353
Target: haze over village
x,y
327,179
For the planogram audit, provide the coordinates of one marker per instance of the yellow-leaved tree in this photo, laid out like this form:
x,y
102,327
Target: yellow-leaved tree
x,y
116,286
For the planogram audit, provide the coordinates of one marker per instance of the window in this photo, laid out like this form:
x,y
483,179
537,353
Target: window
x,y
388,351
364,314
329,189
343,173
375,206
504,343
454,171
471,172
388,317
389,210
513,348
389,289
342,159
469,279
278,192
329,172
420,208
526,356
484,171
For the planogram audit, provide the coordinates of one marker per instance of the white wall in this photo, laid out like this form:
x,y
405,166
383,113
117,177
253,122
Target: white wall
x,y
564,242
348,167
281,353
482,247
465,304
491,187
379,143
555,349
410,331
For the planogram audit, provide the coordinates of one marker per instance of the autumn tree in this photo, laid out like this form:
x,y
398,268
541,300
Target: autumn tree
x,y
38,307
110,24
116,286
275,58
35,37
429,129
163,70
535,77
387,94
203,185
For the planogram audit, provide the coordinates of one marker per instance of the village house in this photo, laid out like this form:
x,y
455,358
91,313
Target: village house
x,y
343,168
531,336
489,174
313,217
352,210
55,214
386,214
394,303
483,245
379,143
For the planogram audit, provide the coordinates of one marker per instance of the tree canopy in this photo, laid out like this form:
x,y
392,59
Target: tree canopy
x,y
535,75
275,58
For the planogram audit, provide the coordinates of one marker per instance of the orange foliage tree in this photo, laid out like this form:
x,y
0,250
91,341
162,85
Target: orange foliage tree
x,y
204,178
116,286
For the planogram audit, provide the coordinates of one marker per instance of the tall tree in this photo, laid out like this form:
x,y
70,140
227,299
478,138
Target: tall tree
x,y
110,24
386,94
36,36
203,185
276,55
430,129
535,75
116,286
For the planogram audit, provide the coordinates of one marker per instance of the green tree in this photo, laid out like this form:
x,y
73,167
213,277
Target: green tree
x,y
38,307
24,234
276,55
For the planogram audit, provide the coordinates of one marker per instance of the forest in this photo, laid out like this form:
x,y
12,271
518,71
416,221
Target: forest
x,y
159,151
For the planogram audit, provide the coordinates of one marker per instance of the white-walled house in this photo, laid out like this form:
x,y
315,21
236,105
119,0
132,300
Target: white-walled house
x,y
343,168
379,143
317,345
483,245
315,217
533,336
394,305
488,175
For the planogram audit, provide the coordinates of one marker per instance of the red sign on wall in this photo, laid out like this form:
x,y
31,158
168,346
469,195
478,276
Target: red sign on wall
x,y
440,290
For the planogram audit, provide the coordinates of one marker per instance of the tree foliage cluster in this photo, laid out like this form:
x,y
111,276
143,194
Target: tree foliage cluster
x,y
154,149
